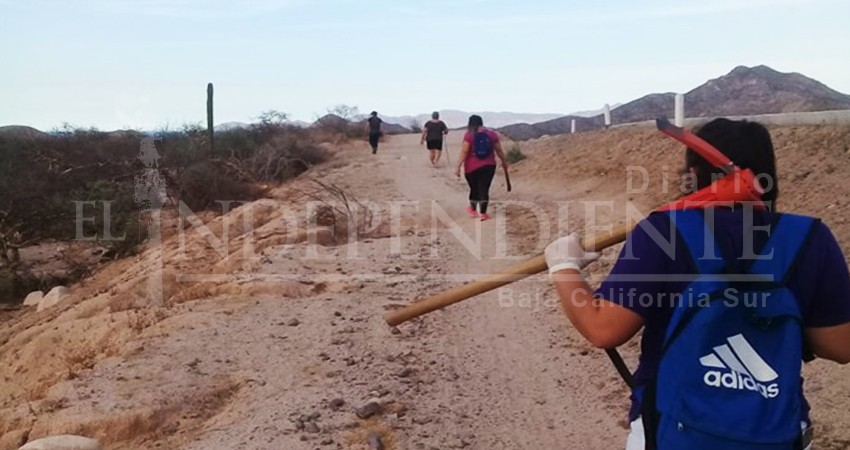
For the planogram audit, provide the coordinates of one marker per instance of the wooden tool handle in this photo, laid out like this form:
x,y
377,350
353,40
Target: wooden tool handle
x,y
530,267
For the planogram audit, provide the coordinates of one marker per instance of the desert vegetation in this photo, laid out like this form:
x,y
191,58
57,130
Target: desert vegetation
x,y
76,184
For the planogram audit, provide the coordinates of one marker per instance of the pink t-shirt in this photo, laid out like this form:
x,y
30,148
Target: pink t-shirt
x,y
472,162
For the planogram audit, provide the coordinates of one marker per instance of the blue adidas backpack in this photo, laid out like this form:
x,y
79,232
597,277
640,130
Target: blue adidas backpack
x,y
729,375
482,145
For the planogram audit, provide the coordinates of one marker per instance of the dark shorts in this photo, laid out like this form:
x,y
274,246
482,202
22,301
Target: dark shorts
x,y
374,138
434,144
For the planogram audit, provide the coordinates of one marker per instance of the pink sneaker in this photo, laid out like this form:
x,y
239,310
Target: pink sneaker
x,y
484,217
472,213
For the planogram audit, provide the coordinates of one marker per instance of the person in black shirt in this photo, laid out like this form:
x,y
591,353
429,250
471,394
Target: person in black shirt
x,y
432,134
373,125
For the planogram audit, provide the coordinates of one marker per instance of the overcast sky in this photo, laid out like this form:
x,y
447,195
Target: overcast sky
x,y
145,63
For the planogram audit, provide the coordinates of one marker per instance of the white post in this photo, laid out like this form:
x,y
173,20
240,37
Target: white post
x,y
607,111
679,119
573,126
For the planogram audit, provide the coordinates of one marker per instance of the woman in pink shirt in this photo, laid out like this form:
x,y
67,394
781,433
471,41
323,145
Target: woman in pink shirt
x,y
478,155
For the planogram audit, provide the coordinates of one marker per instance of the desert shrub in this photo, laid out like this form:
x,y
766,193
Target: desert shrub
x,y
415,126
16,283
341,123
515,154
45,177
286,156
123,232
205,184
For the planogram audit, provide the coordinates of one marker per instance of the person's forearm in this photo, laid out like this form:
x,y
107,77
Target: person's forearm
x,y
580,306
461,159
500,153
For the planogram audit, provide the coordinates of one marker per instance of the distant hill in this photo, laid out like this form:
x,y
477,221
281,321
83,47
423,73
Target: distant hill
x,y
19,131
762,90
593,112
334,120
561,125
456,119
743,91
227,126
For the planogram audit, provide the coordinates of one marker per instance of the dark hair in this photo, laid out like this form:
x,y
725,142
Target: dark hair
x,y
374,113
747,144
435,115
475,121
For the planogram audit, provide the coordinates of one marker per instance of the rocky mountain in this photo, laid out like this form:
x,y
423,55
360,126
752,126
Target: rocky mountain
x,y
762,90
560,125
743,91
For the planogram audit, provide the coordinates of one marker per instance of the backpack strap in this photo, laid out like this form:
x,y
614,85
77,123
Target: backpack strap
x,y
782,250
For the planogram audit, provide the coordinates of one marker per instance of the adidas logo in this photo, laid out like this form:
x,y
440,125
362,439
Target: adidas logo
x,y
743,368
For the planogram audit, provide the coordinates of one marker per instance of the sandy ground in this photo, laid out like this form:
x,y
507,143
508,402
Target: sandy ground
x,y
279,351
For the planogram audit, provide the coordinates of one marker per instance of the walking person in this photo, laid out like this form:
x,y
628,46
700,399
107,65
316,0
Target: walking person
x,y
432,135
717,369
373,127
478,155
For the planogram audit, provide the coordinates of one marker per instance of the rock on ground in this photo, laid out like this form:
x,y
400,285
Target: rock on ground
x,y
53,298
34,298
63,442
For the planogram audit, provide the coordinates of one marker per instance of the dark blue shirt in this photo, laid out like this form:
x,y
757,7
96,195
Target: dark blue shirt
x,y
652,268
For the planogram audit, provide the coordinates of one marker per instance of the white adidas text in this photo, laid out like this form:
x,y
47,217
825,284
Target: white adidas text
x,y
735,380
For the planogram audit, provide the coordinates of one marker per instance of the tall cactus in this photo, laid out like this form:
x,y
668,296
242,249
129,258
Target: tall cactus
x,y
210,117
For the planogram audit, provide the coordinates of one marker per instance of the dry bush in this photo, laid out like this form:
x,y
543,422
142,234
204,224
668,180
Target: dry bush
x,y
204,184
141,319
45,180
285,157
352,218
81,358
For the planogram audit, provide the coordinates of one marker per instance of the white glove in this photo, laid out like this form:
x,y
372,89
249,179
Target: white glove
x,y
567,253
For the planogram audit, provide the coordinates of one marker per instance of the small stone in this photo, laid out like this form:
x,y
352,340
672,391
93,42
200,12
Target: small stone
x,y
294,322
406,372
368,410
33,298
327,441
336,404
65,441
53,298
311,427
422,420
395,330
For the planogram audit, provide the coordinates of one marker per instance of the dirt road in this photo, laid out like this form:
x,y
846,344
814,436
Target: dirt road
x,y
483,374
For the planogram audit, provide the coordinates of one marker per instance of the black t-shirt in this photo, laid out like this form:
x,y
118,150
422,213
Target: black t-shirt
x,y
435,130
375,125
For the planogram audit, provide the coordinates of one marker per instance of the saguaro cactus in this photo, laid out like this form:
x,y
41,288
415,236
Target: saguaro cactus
x,y
210,130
